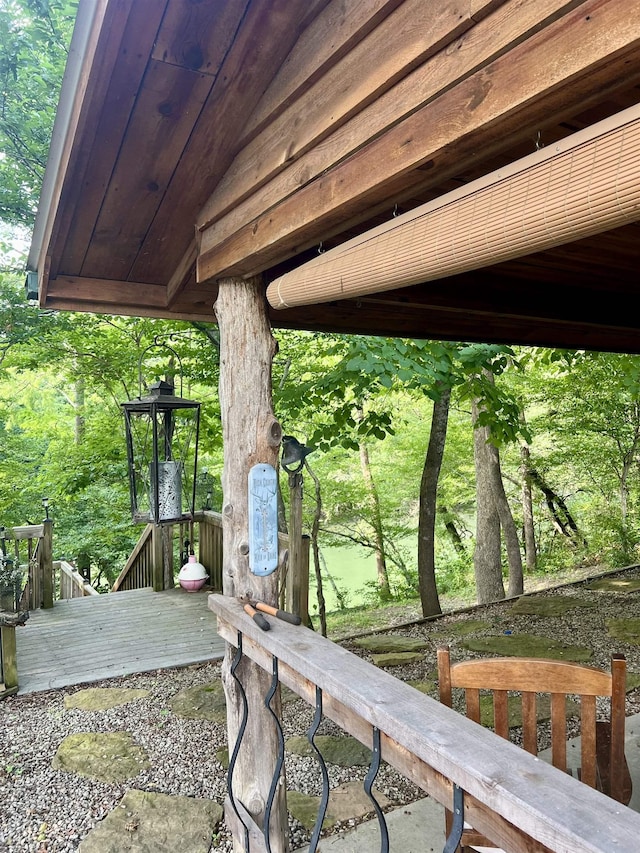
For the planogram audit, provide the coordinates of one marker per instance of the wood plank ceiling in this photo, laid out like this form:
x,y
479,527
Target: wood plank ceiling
x,y
237,137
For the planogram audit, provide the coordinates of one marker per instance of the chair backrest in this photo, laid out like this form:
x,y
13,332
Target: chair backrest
x,y
603,764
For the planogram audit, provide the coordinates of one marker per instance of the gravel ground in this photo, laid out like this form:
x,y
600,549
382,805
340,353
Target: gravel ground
x,y
43,810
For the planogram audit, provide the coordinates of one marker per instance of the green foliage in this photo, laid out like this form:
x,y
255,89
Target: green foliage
x,y
34,39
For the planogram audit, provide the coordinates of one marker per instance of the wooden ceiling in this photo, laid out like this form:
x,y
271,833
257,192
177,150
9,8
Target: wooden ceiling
x,y
201,139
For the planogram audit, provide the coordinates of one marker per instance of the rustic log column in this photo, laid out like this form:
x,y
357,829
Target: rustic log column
x,y
251,435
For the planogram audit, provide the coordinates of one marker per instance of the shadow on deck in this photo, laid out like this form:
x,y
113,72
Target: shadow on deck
x,y
88,639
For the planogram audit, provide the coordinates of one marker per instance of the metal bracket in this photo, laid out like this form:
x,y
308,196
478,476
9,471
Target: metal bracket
x,y
453,841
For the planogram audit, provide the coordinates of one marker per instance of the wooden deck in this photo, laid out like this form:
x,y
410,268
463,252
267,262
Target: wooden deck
x,y
88,639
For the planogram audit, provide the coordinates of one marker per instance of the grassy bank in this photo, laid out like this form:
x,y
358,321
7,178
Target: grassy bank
x,y
369,617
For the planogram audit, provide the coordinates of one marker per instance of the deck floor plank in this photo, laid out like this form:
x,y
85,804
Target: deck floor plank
x,y
84,640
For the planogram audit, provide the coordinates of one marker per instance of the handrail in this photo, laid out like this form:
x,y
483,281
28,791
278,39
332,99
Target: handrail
x,y
39,587
521,802
138,570
72,584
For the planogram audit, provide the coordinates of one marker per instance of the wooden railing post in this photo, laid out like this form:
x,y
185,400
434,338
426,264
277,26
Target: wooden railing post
x,y
157,548
297,583
45,563
9,658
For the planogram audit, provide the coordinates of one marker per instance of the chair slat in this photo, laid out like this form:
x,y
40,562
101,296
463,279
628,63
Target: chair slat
x,y
588,740
501,713
473,705
559,730
529,723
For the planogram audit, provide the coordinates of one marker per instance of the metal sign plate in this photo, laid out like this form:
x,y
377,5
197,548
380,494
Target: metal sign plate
x,y
263,519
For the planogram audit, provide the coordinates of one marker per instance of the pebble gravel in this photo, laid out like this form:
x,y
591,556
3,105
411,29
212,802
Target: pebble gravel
x,y
43,810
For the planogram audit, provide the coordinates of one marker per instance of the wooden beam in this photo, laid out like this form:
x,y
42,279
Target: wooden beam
x,y
344,90
517,91
109,292
328,38
504,28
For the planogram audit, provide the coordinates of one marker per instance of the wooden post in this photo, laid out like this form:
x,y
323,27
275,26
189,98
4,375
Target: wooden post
x,y
251,435
297,596
167,556
9,657
46,563
157,558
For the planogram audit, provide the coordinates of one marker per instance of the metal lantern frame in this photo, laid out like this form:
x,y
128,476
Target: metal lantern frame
x,y
154,454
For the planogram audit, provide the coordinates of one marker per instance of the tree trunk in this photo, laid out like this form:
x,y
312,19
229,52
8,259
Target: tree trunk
x,y
507,524
376,522
450,526
487,555
530,549
251,435
427,510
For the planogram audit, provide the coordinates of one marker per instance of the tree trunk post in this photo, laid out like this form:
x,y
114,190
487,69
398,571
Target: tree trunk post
x,y
251,435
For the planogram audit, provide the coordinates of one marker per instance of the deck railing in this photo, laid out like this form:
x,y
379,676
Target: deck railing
x,y
141,569
145,566
72,584
28,548
518,800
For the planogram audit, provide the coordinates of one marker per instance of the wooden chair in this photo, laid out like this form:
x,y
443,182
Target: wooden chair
x,y
603,764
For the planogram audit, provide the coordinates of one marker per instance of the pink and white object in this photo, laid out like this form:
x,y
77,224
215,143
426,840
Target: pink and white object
x,y
193,575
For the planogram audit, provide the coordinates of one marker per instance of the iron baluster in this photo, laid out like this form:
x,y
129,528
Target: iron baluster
x,y
457,824
324,799
236,749
368,786
280,760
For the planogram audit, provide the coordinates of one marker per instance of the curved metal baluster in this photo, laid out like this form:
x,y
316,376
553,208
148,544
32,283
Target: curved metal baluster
x,y
280,761
368,785
457,825
236,749
324,799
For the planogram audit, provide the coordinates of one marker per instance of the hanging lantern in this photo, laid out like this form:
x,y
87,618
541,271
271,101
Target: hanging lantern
x,y
162,433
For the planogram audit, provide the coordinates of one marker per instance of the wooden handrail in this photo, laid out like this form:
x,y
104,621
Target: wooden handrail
x,y
72,584
39,588
521,802
138,570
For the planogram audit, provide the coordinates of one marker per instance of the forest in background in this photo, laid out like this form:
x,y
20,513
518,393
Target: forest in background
x,y
496,461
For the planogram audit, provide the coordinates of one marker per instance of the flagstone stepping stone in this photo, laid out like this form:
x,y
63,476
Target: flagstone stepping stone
x,y
396,658
548,605
106,756
626,630
345,751
459,629
615,585
145,822
527,645
202,702
103,698
430,688
391,643
345,802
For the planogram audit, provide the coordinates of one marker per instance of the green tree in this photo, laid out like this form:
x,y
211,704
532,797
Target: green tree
x,y
34,40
